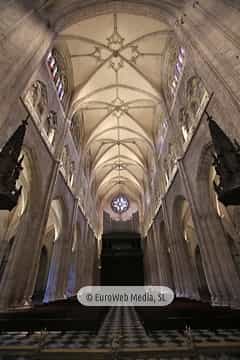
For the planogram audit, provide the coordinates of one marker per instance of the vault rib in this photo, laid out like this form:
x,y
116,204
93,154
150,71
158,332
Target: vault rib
x,y
93,139
96,161
108,87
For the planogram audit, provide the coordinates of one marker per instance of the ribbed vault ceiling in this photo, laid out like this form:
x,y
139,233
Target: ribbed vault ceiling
x,y
117,60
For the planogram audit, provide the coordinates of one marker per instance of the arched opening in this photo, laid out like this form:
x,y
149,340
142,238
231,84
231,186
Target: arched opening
x,y
191,239
48,261
188,238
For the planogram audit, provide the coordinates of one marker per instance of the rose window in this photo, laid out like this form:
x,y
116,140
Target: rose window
x,y
120,204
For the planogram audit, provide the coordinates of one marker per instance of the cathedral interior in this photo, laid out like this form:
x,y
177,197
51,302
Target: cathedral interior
x,y
119,166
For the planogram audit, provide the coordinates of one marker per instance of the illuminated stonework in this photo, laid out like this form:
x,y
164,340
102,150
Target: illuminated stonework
x,y
120,204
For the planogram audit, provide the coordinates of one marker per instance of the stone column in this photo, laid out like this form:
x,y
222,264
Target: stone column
x,y
67,253
94,255
58,268
96,274
52,289
46,208
13,286
171,242
149,258
147,263
88,255
188,274
80,254
153,258
18,286
82,258
155,253
164,265
223,281
41,231
182,271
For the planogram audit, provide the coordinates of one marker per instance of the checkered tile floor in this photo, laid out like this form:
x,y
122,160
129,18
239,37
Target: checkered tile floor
x,y
122,326
121,329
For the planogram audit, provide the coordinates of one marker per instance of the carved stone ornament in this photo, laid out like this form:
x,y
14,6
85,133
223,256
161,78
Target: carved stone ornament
x,y
51,126
195,92
76,130
38,97
184,122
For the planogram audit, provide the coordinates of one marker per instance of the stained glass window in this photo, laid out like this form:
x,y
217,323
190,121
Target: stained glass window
x,y
120,204
56,68
178,70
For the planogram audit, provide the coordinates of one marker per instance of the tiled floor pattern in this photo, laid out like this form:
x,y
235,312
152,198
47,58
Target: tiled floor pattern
x,y
121,329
